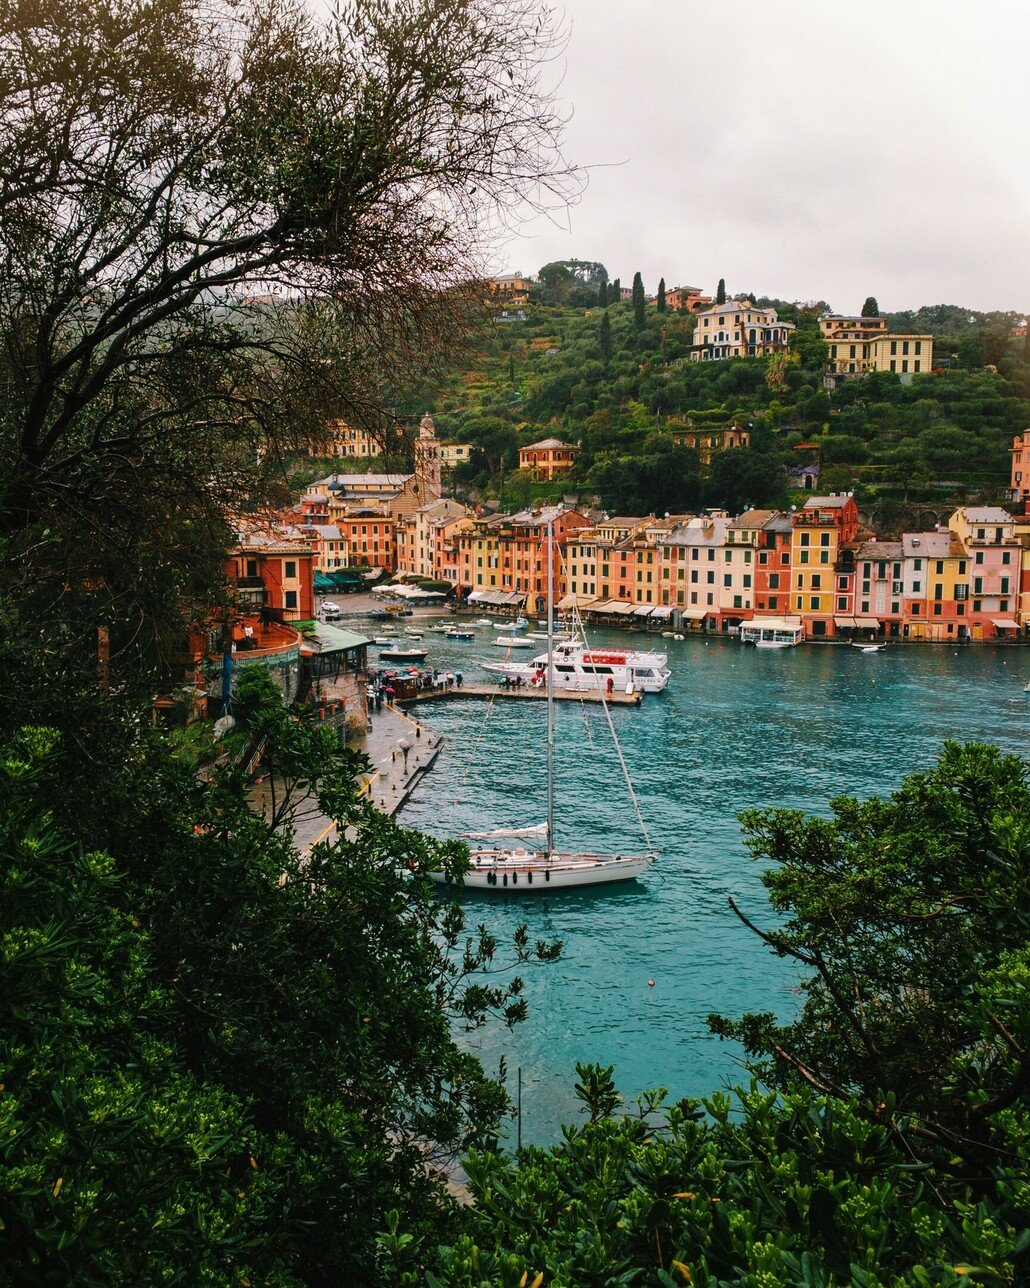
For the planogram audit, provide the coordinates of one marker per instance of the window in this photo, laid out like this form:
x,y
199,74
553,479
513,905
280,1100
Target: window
x,y
824,556
865,605
774,581
772,601
824,538
978,585
842,583
938,609
747,581
814,602
1006,556
711,578
805,537
803,557
727,579
252,568
894,349
841,605
917,586
817,581
291,599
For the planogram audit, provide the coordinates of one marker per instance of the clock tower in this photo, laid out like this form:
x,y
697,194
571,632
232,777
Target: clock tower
x,y
427,462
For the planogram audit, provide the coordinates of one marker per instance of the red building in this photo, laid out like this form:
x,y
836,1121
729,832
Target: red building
x,y
548,459
273,570
772,566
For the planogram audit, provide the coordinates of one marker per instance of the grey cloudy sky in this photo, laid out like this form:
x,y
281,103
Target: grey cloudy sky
x,y
800,149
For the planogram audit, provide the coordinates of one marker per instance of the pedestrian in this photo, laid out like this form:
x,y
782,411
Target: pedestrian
x,y
611,685
457,678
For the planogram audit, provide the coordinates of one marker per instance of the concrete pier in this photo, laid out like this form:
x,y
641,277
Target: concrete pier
x,y
618,698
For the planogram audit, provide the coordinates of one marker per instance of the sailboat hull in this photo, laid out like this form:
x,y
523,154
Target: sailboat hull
x,y
528,872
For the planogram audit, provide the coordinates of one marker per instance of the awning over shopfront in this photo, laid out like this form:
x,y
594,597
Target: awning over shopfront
x,y
575,601
663,612
867,623
1005,623
695,614
619,608
643,611
845,623
497,598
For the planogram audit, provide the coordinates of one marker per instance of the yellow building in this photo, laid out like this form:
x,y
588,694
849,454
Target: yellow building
x,y
452,454
738,329
512,288
820,529
856,346
707,441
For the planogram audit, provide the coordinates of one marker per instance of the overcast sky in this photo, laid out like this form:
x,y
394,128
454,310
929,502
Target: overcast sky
x,y
800,149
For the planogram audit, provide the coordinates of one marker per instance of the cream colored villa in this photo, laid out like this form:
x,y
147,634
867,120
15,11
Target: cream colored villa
x,y
738,329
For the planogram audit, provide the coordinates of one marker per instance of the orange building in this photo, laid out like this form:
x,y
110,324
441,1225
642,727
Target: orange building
x,y
503,558
549,459
371,539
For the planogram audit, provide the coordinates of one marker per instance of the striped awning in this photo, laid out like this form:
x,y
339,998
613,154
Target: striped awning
x,y
643,611
845,623
1005,623
663,612
695,614
867,623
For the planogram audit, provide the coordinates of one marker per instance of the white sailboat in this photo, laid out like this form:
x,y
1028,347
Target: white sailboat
x,y
523,868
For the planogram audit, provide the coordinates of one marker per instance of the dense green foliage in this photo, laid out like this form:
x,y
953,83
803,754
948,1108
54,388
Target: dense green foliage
x,y
893,1144
620,389
224,1061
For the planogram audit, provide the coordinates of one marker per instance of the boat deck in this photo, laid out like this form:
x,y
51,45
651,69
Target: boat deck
x,y
616,699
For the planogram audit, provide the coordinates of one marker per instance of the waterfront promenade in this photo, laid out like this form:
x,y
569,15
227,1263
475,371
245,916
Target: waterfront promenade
x,y
618,698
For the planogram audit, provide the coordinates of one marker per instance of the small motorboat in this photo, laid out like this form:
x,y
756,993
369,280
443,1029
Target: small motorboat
x,y
455,634
413,635
385,641
1026,687
514,641
483,621
869,648
404,654
519,624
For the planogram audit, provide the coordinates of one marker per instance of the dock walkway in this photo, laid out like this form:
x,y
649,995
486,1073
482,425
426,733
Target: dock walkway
x,y
616,699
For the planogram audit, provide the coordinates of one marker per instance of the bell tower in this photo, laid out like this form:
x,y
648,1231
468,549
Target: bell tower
x,y
427,462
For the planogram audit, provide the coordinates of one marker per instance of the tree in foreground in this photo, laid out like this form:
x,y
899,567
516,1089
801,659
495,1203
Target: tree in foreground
x,y
870,309
219,225
912,915
225,1062
604,337
893,1145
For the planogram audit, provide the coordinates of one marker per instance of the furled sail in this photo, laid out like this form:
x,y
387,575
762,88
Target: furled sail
x,y
539,829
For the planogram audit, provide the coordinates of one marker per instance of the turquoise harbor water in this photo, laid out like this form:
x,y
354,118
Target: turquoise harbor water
x,y
736,728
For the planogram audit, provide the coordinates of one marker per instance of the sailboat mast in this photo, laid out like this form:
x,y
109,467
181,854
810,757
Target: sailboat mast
x,y
550,685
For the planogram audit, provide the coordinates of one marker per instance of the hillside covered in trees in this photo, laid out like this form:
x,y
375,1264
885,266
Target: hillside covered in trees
x,y
618,380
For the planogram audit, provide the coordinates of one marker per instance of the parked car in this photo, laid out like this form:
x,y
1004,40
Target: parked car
x,y
330,612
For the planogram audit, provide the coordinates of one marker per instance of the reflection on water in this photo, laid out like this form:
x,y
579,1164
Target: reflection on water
x,y
736,728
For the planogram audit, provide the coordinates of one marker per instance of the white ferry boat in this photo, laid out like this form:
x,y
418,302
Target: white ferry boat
x,y
580,669
772,632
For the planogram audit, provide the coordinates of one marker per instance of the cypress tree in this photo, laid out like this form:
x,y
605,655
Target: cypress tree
x,y
661,295
604,337
870,309
720,294
602,294
615,291
638,301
